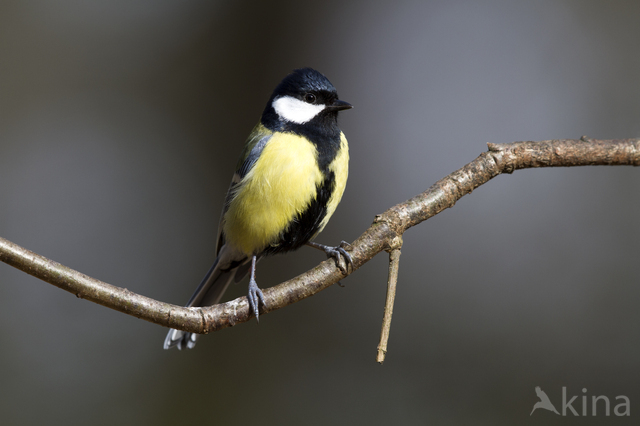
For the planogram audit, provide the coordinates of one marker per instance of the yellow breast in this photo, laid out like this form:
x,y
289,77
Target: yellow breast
x,y
278,188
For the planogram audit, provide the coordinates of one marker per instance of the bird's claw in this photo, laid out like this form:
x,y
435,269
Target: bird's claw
x,y
336,252
255,296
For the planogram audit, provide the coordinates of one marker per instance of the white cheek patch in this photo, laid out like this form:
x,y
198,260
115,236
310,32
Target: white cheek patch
x,y
295,110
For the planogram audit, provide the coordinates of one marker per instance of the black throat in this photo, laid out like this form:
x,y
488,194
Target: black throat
x,y
322,131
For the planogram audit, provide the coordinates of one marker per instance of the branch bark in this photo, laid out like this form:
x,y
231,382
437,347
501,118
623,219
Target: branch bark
x,y
385,234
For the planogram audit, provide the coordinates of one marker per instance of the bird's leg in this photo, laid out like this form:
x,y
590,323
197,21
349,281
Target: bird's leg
x,y
335,253
255,294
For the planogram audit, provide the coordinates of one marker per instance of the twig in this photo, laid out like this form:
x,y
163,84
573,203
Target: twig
x,y
386,228
392,280
97,291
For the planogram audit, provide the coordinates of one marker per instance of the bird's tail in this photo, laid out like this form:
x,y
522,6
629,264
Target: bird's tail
x,y
209,292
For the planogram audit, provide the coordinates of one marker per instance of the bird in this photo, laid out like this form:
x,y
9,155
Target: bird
x,y
289,179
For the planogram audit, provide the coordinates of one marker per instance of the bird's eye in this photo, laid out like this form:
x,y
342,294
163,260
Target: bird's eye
x,y
309,98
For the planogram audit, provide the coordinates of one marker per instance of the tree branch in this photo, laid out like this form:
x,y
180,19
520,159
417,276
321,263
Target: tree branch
x,y
392,281
384,234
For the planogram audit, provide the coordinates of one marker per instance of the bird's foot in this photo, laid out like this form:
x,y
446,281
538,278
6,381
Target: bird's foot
x,y
337,253
255,296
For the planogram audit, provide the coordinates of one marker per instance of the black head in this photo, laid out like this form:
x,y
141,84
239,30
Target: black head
x,y
304,97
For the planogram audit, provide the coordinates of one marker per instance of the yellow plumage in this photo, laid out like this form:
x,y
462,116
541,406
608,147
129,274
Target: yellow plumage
x,y
340,167
278,188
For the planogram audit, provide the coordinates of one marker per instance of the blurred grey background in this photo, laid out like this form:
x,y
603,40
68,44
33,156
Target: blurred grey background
x,y
121,123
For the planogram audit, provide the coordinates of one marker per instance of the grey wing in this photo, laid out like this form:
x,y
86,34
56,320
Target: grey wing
x,y
230,265
242,171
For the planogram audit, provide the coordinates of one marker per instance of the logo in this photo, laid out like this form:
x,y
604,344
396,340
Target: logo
x,y
600,405
544,402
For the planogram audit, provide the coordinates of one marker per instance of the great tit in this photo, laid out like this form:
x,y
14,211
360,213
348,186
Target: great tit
x,y
288,182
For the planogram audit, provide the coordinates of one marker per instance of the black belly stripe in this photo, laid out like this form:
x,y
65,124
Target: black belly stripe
x,y
305,225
